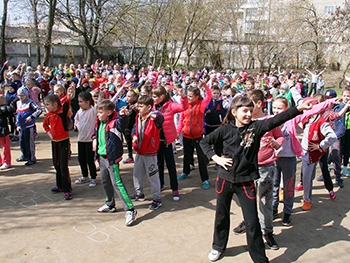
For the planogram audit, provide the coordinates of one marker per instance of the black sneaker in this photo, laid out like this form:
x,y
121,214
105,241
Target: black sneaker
x,y
240,229
30,163
155,204
270,241
68,196
286,220
56,190
138,197
21,159
340,183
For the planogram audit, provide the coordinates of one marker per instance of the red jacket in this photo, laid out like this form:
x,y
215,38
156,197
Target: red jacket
x,y
57,123
193,118
147,133
168,110
315,135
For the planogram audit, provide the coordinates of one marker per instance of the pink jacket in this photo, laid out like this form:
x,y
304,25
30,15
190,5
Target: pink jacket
x,y
168,110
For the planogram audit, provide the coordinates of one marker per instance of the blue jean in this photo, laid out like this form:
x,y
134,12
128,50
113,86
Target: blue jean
x,y
286,168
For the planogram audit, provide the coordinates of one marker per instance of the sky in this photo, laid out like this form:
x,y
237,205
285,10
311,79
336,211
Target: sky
x,y
13,16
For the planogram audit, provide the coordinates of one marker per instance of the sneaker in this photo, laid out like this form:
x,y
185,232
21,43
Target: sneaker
x,y
93,183
332,195
175,151
82,180
68,196
206,185
5,166
320,178
129,160
15,138
192,167
21,159
182,176
240,229
340,183
286,220
214,255
155,204
130,217
56,190
299,187
306,206
105,209
176,196
346,171
270,241
138,197
30,163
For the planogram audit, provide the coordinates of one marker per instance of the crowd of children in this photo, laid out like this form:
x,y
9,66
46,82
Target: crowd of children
x,y
246,124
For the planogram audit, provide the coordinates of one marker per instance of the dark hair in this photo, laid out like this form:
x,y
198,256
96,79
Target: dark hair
x,y
86,96
159,91
53,99
145,100
256,95
251,80
106,105
196,91
238,102
215,87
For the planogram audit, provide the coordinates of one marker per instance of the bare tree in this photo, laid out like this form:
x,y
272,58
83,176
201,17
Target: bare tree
x,y
51,4
3,27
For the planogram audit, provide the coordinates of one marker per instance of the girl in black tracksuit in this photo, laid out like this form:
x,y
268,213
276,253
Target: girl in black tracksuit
x,y
238,169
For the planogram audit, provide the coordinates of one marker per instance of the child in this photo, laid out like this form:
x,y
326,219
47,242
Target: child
x,y
5,112
192,121
238,170
27,112
131,99
11,100
107,142
168,108
345,140
84,121
146,139
55,125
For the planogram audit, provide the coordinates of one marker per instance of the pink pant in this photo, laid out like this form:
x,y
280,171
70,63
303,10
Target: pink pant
x,y
6,152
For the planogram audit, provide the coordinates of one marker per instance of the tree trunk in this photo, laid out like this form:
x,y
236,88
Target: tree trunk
x,y
3,26
48,40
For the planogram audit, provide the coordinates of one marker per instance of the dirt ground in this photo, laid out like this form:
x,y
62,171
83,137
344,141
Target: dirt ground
x,y
38,226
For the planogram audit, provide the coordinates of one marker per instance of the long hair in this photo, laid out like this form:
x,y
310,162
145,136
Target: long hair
x,y
86,96
238,102
159,91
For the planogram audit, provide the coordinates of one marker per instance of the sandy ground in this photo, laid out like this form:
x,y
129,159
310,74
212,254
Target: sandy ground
x,y
38,226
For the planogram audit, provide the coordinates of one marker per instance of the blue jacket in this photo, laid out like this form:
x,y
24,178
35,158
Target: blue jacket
x,y
25,109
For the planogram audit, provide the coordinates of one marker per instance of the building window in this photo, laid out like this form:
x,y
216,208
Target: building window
x,y
329,9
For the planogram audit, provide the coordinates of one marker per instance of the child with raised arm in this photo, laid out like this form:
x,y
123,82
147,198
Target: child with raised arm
x,y
56,126
238,169
109,146
146,140
192,121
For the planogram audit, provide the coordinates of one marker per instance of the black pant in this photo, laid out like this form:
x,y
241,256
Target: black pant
x,y
247,198
86,157
128,140
313,89
60,154
189,146
166,153
325,172
218,146
345,148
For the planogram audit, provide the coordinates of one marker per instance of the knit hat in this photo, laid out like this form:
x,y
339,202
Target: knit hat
x,y
24,91
75,80
85,80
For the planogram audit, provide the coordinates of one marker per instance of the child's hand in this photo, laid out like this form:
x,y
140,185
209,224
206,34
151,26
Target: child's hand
x,y
94,145
222,161
29,119
123,111
134,139
50,135
202,84
307,105
314,147
274,144
153,116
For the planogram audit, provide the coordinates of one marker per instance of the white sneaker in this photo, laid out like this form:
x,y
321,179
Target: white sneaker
x,y
192,167
93,183
4,166
214,255
82,180
105,208
130,217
